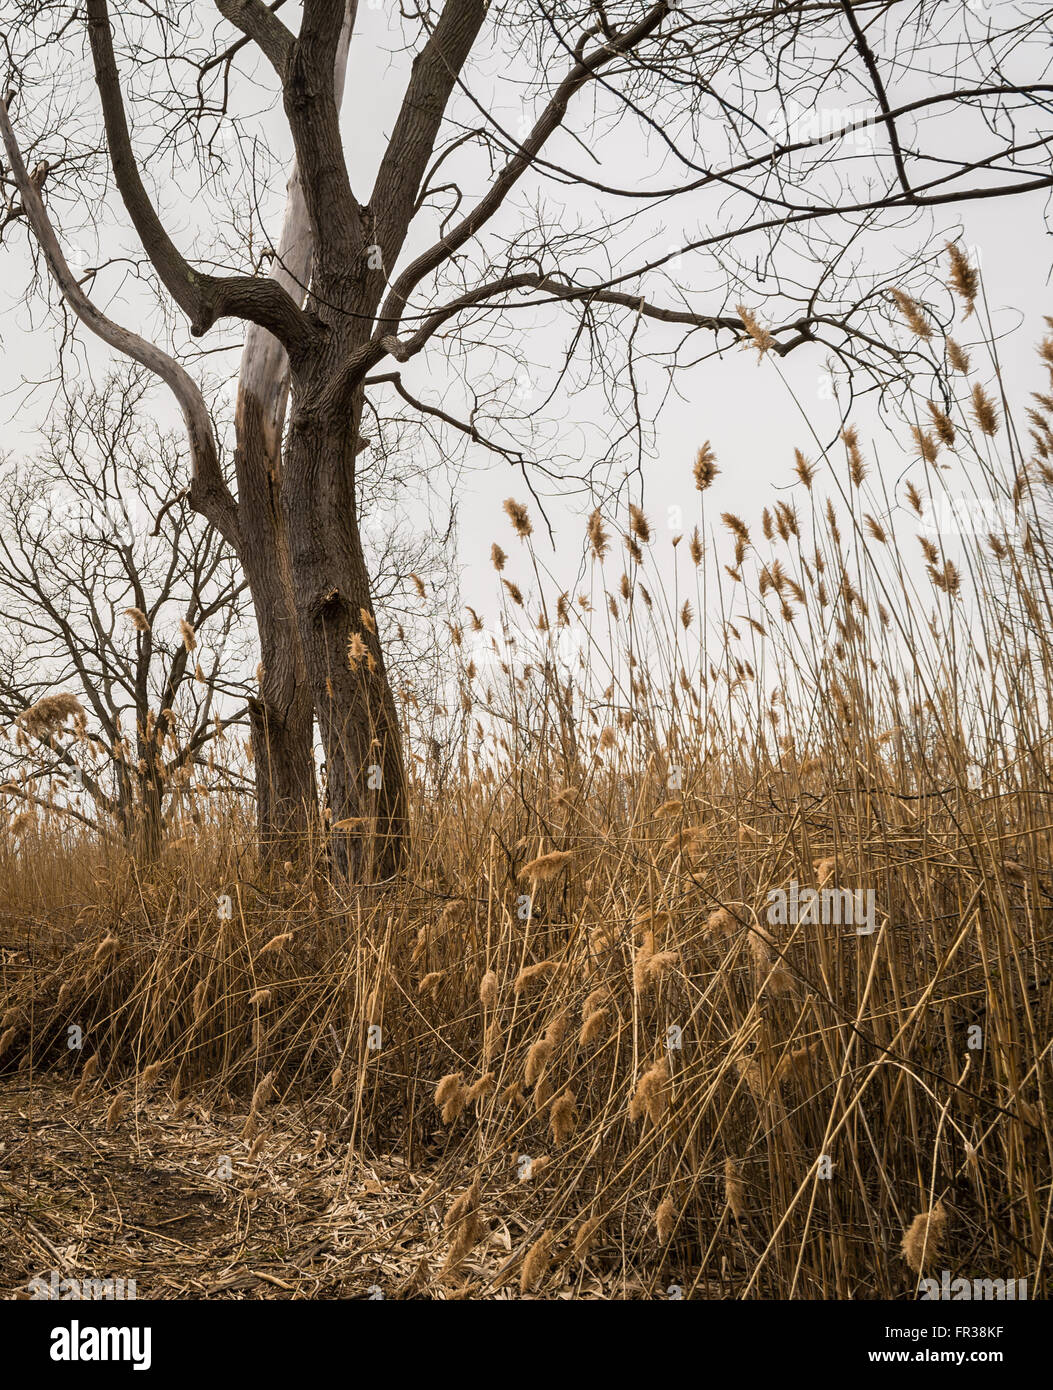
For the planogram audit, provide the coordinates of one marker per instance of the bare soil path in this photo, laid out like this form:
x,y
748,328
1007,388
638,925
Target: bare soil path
x,y
181,1204
175,1198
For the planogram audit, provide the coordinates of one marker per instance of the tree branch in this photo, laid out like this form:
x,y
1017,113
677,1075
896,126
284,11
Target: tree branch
x,y
203,298
260,24
309,93
263,376
12,789
468,428
867,54
435,72
402,349
208,491
584,69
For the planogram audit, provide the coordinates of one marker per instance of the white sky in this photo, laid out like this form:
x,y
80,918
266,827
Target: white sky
x,y
744,409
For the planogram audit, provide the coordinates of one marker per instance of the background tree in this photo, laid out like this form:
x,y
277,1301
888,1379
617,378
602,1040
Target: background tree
x,y
115,595
734,199
124,651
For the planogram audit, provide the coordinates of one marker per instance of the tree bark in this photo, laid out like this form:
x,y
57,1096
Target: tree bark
x,y
149,829
365,776
286,789
282,718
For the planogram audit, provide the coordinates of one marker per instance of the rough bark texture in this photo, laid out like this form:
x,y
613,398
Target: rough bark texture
x,y
365,778
353,245
149,818
282,718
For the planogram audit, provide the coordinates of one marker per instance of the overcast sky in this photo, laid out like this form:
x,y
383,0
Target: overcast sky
x,y
753,414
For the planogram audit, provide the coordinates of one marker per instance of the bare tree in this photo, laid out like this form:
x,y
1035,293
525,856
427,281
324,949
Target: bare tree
x,y
114,593
473,218
124,652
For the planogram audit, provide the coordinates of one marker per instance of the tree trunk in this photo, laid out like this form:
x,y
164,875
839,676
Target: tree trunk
x,y
283,758
150,822
282,717
359,725
142,816
282,729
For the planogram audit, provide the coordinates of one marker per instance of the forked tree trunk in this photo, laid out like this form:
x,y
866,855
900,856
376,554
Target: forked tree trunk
x,y
356,712
282,719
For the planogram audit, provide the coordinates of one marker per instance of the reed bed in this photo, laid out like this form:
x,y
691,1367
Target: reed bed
x,y
577,1005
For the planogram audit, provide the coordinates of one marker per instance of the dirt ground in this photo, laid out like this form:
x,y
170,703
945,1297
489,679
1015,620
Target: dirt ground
x,y
177,1203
